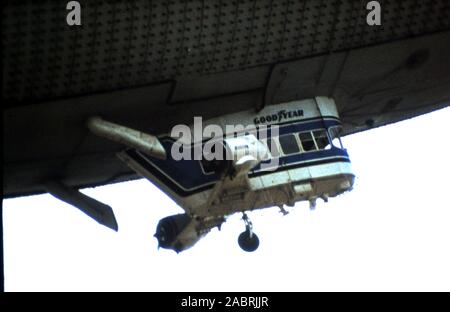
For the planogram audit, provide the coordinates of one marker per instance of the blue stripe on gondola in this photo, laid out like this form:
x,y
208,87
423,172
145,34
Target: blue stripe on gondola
x,y
166,180
306,157
176,188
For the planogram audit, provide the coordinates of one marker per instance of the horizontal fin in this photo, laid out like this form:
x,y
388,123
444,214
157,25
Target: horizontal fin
x,y
98,211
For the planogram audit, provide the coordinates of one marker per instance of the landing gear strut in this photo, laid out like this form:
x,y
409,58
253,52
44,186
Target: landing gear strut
x,y
248,240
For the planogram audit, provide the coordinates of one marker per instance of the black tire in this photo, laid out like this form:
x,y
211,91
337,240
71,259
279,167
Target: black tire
x,y
247,243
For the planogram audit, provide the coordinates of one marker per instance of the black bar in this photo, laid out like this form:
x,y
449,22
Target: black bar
x,y
2,269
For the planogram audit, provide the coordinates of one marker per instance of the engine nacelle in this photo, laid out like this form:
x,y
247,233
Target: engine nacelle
x,y
248,145
176,232
239,155
244,153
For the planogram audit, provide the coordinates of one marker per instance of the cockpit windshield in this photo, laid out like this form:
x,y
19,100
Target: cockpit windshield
x,y
335,136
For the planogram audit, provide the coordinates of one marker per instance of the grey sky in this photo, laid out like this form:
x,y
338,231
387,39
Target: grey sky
x,y
391,232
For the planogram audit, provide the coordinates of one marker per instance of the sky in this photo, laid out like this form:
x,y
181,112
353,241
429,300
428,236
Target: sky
x,y
390,233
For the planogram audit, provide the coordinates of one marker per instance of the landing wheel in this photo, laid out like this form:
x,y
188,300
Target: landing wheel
x,y
248,241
